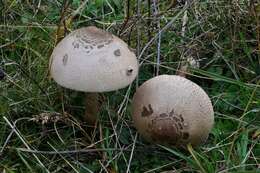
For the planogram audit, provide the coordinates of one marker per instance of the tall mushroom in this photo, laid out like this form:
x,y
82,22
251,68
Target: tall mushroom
x,y
92,60
170,109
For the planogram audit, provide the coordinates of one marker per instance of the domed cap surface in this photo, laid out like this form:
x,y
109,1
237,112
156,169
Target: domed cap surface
x,y
92,60
173,110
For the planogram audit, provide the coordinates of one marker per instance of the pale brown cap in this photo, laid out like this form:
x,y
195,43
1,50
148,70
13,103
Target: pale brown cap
x,y
92,60
170,109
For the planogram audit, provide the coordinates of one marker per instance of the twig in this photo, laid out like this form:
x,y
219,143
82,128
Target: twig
x,y
34,25
117,143
149,20
184,22
11,42
58,134
103,167
16,131
190,149
138,36
11,133
70,151
64,159
241,118
9,78
156,12
117,156
37,9
183,64
169,24
126,18
79,9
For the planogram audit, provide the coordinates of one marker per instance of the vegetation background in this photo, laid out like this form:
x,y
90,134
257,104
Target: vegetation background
x,y
41,124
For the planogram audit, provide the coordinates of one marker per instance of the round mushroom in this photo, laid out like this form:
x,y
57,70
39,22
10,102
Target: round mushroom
x,y
92,60
172,110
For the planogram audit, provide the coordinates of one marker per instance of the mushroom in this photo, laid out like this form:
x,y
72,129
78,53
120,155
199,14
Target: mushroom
x,y
93,61
172,110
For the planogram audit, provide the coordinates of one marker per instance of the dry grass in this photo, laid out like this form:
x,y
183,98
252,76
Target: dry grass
x,y
42,128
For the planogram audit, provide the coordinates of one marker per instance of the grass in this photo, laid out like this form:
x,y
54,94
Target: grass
x,y
223,37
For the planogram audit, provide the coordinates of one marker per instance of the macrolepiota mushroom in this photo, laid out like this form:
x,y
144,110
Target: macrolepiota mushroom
x,y
172,110
93,61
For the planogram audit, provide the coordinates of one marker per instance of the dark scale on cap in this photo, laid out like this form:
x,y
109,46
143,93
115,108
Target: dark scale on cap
x,y
117,52
147,112
129,72
163,115
86,40
180,126
2,74
181,117
93,36
167,126
171,113
164,130
100,46
75,45
185,135
108,42
65,59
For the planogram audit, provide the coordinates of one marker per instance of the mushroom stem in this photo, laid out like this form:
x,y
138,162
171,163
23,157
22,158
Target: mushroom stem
x,y
92,107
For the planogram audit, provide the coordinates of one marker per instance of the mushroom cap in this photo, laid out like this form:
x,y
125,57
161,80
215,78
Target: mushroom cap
x,y
92,60
172,110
